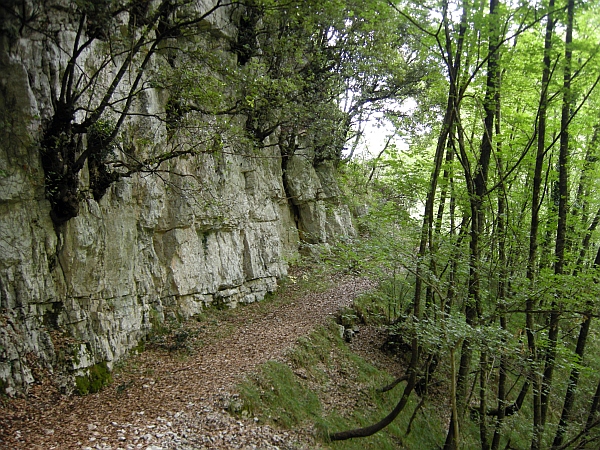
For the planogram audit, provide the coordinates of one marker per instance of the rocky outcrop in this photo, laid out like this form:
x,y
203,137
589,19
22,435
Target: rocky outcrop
x,y
216,228
315,195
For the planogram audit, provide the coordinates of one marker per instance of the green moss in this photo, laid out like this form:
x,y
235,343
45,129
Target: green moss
x,y
76,358
140,347
98,377
82,384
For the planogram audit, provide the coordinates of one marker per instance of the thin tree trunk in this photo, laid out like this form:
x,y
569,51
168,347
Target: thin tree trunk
x,y
585,244
454,422
454,259
502,276
561,229
426,229
483,434
533,233
573,381
580,203
477,187
445,187
447,124
466,350
595,406
574,376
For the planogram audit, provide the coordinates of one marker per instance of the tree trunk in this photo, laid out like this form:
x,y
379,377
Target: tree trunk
x,y
447,125
561,229
533,232
477,187
574,376
483,433
502,277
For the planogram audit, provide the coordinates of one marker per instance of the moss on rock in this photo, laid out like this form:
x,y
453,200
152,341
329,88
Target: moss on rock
x,y
98,377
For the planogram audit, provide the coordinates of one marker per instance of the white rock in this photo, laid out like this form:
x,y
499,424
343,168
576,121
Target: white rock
x,y
225,240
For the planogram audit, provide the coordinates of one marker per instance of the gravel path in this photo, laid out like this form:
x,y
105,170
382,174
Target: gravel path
x,y
174,402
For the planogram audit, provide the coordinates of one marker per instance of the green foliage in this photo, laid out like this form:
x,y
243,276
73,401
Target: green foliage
x,y
347,317
472,256
299,75
98,377
384,305
448,331
99,138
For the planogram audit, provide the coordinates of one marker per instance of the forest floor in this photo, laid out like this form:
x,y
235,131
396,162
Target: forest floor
x,y
176,393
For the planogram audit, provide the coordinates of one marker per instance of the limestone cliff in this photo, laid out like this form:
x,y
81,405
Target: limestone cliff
x,y
213,227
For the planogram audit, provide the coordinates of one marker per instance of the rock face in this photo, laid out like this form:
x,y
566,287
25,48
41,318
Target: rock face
x,y
87,291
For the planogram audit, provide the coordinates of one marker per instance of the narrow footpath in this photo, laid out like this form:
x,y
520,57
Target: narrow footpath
x,y
166,400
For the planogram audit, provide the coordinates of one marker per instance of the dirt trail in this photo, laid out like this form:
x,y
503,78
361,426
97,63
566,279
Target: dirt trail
x,y
176,402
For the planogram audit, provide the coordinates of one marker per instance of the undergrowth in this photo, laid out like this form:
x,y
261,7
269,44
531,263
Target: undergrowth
x,y
324,387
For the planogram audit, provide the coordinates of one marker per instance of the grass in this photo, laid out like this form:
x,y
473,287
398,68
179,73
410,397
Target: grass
x,y
278,396
324,387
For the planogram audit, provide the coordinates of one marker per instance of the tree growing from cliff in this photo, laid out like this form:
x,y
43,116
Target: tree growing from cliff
x,y
281,72
91,105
